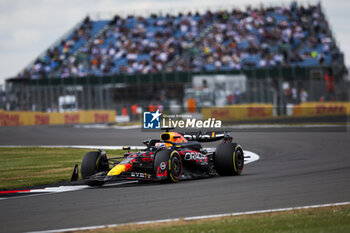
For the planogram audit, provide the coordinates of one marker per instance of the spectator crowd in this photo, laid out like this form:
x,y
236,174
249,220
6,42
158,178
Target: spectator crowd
x,y
223,40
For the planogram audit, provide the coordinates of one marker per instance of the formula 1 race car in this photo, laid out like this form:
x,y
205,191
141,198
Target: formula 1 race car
x,y
173,157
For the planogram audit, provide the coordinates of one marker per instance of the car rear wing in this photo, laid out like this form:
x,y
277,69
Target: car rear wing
x,y
207,136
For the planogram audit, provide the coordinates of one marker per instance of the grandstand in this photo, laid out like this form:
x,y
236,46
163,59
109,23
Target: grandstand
x,y
219,40
283,42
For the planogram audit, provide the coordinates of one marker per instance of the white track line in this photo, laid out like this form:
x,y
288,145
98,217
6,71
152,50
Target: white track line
x,y
60,189
194,218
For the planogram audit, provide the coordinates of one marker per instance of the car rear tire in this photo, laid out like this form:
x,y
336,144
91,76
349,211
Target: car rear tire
x,y
92,163
172,163
229,159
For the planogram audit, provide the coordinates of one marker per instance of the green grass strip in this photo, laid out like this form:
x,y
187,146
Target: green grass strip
x,y
325,219
32,166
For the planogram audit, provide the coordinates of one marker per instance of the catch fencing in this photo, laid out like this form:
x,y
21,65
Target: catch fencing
x,y
278,86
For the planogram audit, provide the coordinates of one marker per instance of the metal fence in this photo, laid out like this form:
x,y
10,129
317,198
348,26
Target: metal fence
x,y
278,86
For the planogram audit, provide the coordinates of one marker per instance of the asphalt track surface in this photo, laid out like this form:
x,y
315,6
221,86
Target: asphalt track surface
x,y
295,169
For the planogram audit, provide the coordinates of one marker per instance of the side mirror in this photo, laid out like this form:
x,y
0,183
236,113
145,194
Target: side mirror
x,y
126,148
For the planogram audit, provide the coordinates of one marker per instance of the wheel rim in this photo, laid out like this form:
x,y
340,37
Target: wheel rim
x,y
176,167
239,160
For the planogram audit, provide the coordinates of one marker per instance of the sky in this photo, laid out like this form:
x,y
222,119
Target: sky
x,y
29,27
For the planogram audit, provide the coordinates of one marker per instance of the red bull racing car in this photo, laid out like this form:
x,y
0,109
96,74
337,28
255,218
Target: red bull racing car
x,y
173,157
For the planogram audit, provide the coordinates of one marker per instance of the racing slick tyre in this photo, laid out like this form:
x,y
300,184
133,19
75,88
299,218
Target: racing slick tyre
x,y
229,159
168,163
92,163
